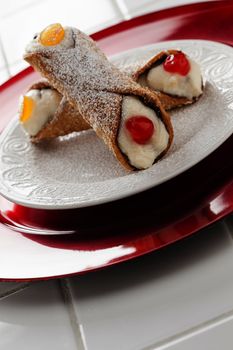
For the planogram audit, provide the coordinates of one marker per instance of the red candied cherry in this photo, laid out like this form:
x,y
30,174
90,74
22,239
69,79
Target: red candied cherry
x,y
177,63
140,128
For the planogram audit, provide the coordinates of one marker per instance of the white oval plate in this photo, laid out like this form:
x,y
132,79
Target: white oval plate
x,y
78,170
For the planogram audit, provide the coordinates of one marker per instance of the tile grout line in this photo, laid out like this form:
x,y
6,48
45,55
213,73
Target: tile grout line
x,y
122,8
227,228
14,291
125,12
75,325
6,65
137,11
189,333
103,25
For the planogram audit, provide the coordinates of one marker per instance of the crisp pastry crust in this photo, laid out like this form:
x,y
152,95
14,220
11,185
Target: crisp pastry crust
x,y
94,87
65,121
168,101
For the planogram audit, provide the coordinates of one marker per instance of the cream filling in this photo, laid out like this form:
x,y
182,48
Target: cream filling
x,y
46,102
189,86
66,43
141,156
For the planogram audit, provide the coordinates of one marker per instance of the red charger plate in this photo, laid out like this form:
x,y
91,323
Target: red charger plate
x,y
118,231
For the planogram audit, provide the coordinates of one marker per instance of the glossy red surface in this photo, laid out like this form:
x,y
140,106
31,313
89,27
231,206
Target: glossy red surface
x,y
157,217
207,20
177,64
140,128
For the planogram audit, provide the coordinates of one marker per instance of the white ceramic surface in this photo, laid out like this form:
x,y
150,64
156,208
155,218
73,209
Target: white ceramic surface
x,y
79,170
146,303
76,13
178,299
7,288
36,318
30,320
132,8
214,336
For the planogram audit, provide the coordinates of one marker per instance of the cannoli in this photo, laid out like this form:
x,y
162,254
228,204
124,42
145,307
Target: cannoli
x,y
128,117
174,76
45,114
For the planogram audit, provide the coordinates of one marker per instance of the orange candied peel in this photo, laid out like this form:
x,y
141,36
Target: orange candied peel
x,y
28,106
52,35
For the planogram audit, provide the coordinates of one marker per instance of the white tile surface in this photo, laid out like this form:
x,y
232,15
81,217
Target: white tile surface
x,y
35,319
7,288
3,75
215,337
175,299
134,8
18,29
229,225
17,67
4,71
149,300
10,7
2,60
2,63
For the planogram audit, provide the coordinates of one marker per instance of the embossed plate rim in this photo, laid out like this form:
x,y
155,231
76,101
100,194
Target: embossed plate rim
x,y
139,184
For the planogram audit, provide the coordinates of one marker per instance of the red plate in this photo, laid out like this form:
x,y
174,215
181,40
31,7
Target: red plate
x,y
124,229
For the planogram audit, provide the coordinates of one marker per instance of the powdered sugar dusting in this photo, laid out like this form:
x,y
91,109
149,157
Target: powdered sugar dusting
x,y
93,85
67,42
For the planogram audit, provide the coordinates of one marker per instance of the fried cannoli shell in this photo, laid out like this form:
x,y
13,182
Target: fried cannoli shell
x,y
168,101
65,121
94,87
